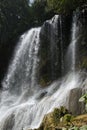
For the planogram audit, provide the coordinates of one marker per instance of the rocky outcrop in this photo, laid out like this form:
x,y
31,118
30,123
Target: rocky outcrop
x,y
54,40
67,122
82,39
74,105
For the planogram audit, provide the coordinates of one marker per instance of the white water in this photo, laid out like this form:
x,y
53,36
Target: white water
x,y
25,111
22,70
62,55
72,49
23,103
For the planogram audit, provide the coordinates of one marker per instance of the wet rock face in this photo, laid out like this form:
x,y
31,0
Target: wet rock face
x,y
82,40
54,40
48,50
74,106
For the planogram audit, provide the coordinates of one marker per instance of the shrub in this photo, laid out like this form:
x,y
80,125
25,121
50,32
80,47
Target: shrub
x,y
84,99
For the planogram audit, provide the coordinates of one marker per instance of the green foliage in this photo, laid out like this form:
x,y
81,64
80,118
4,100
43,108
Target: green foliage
x,y
67,118
64,6
38,8
74,128
58,113
40,13
84,99
15,18
83,127
79,128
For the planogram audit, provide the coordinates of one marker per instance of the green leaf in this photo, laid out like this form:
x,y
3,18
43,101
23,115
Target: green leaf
x,y
83,127
74,128
82,99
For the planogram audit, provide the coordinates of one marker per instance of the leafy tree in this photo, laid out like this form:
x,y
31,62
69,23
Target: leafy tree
x,y
64,6
40,12
15,18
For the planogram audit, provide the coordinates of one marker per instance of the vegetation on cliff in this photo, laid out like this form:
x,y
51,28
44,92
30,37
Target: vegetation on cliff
x,y
58,120
64,6
62,119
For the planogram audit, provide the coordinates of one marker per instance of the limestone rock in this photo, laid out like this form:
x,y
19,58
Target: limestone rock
x,y
74,105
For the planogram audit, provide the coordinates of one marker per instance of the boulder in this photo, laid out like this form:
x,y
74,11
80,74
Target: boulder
x,y
74,105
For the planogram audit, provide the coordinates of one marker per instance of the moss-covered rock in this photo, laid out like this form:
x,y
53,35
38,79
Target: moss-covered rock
x,y
52,121
56,121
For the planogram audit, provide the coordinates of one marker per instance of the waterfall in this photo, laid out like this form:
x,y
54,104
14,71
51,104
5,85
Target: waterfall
x,y
72,49
62,55
26,112
23,103
22,71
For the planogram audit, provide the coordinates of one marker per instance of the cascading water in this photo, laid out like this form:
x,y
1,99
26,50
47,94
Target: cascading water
x,y
23,103
23,68
71,53
62,55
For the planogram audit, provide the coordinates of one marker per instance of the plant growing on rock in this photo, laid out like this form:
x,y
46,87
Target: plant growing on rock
x,y
83,127
58,113
74,128
67,119
84,99
79,128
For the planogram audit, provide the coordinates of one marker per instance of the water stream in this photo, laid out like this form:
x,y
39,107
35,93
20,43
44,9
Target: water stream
x,y
23,103
72,49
